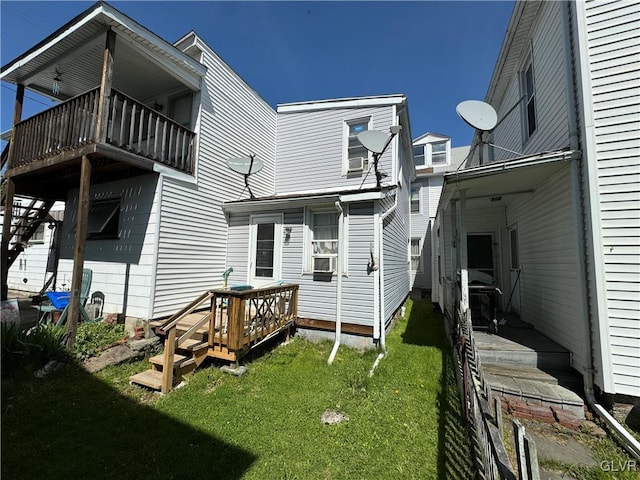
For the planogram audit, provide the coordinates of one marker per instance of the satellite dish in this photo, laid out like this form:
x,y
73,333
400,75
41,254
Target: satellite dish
x,y
373,140
479,115
245,165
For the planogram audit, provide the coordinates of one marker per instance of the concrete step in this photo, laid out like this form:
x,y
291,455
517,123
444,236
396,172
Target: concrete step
x,y
533,386
567,378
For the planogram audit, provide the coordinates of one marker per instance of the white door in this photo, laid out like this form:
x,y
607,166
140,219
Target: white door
x,y
265,250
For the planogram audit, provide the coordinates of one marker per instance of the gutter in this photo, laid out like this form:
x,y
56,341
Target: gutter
x,y
381,316
340,261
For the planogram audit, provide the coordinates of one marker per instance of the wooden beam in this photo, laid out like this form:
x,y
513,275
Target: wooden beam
x,y
6,229
330,326
105,86
78,250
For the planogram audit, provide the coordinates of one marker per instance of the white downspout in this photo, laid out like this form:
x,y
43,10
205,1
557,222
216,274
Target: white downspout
x,y
381,319
340,260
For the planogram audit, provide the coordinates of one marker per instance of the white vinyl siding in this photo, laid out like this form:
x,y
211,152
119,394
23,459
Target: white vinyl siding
x,y
614,71
317,298
550,290
122,268
311,149
234,121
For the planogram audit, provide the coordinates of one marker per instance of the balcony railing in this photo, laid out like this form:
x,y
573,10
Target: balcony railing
x,y
131,126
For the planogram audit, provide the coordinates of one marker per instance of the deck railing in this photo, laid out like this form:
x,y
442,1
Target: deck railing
x,y
238,320
131,126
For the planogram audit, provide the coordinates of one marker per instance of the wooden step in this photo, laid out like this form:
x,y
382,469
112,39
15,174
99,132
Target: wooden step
x,y
192,344
148,378
179,361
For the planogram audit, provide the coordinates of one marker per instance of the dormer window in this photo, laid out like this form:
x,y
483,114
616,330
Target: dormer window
x,y
439,153
356,155
419,158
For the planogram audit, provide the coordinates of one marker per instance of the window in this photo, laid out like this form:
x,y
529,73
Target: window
x,y
265,243
38,235
415,200
530,99
439,153
180,109
324,242
104,219
513,242
416,257
357,156
418,156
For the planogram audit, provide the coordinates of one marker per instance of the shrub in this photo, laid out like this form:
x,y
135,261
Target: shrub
x,y
28,350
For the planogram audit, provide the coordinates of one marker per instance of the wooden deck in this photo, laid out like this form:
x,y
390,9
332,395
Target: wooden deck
x,y
223,324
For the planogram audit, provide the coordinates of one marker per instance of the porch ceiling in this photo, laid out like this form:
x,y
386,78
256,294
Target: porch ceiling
x,y
144,64
499,184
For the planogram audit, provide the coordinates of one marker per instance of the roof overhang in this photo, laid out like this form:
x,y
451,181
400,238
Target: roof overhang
x,y
354,102
498,184
75,51
281,202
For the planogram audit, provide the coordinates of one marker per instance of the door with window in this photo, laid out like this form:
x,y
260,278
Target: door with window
x,y
265,250
514,271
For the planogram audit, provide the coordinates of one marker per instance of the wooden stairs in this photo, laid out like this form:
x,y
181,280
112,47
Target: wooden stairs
x,y
223,324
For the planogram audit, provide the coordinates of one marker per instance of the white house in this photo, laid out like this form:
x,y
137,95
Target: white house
x,y
144,127
560,221
327,225
433,157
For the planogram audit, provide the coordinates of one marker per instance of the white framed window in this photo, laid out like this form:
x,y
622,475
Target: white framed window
x,y
416,255
439,153
529,93
356,156
419,158
321,240
415,199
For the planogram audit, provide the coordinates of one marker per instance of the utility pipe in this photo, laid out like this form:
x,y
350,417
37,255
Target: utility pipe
x,y
381,318
336,344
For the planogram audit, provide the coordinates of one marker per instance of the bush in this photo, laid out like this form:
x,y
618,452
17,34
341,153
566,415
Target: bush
x,y
28,350
92,338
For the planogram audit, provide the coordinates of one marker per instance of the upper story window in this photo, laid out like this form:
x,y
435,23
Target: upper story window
x,y
415,199
419,158
528,84
439,153
356,155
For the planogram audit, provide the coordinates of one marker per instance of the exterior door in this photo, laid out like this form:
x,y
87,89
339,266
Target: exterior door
x,y
514,272
265,250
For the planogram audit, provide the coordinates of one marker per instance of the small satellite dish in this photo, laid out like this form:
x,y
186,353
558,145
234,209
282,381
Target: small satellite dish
x,y
373,140
245,165
479,115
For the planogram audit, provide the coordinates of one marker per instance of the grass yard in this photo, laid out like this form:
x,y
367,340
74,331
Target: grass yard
x,y
404,422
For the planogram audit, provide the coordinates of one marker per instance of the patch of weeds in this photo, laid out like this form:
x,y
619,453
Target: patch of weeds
x,y
95,337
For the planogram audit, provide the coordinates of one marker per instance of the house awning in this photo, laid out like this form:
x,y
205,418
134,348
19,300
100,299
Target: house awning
x,y
497,184
302,200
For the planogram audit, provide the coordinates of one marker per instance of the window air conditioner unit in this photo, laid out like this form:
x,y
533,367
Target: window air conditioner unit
x,y
356,164
323,265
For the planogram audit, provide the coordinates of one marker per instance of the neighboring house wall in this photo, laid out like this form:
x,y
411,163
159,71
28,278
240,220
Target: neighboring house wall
x,y
546,46
311,149
607,34
233,121
123,267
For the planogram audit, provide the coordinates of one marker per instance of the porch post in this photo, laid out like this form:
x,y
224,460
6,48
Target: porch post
x,y
464,272
8,200
78,250
105,86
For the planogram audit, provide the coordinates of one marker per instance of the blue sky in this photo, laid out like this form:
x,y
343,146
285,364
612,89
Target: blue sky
x,y
436,53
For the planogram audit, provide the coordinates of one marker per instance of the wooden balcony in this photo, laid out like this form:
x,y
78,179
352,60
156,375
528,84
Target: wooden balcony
x,y
135,136
223,324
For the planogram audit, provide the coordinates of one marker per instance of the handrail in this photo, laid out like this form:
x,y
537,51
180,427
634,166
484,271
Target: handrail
x,y
173,320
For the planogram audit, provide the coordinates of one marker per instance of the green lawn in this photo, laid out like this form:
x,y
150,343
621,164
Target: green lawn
x,y
404,422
